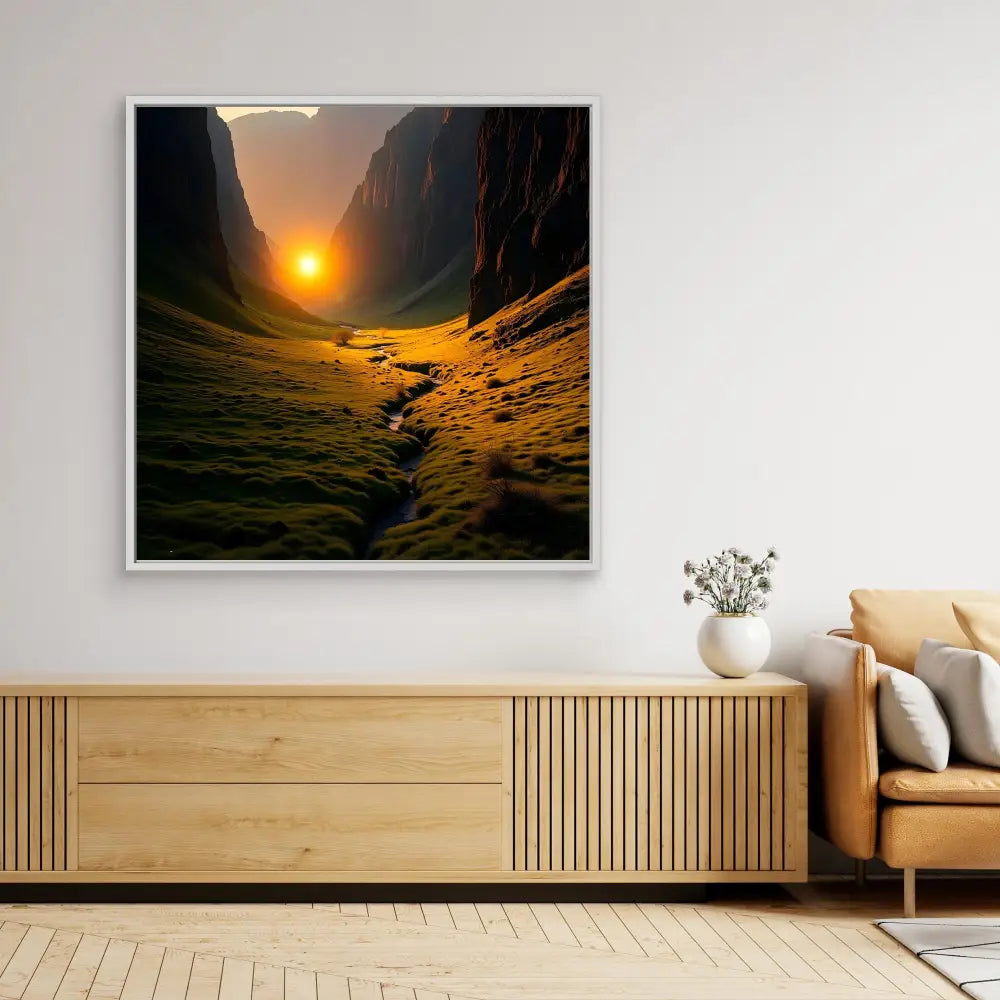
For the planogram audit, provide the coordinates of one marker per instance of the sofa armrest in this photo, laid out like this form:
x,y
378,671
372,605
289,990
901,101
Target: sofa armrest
x,y
843,751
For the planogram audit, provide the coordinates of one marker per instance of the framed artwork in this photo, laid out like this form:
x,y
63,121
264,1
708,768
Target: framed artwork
x,y
360,333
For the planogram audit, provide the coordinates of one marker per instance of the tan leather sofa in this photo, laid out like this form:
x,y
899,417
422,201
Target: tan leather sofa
x,y
864,802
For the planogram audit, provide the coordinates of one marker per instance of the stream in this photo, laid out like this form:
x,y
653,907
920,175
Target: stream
x,y
406,510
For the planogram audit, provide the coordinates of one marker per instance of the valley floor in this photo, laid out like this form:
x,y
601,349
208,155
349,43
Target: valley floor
x,y
322,443
813,942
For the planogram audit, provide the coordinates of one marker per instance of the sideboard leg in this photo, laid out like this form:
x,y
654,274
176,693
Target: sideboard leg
x,y
860,875
909,892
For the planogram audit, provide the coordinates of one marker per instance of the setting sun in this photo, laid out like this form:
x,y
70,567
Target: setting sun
x,y
308,265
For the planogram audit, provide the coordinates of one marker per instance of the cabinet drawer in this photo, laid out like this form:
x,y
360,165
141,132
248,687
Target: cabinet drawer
x,y
289,739
289,827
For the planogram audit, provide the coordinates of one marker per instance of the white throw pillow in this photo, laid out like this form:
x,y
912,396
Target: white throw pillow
x,y
911,723
967,683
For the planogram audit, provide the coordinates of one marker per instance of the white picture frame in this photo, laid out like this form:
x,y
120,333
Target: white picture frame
x,y
134,564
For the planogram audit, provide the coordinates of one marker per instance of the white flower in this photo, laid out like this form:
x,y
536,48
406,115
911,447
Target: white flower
x,y
731,581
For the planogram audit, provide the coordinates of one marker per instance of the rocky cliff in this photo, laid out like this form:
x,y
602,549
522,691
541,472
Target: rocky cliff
x,y
412,215
179,236
532,217
247,245
449,192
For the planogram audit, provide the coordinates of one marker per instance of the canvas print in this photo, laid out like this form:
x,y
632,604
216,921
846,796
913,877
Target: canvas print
x,y
360,334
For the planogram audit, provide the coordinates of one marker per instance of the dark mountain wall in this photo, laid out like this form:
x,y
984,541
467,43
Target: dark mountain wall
x,y
532,218
413,213
247,245
177,218
449,192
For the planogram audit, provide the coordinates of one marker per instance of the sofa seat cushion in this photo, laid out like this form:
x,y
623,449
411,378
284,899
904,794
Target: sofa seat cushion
x,y
939,836
957,784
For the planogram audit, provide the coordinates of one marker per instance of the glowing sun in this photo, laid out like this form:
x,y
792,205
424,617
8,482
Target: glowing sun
x,y
308,265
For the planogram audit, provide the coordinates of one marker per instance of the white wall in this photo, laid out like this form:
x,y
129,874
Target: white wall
x,y
801,212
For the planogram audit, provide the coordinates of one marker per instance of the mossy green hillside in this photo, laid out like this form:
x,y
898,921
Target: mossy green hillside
x,y
260,447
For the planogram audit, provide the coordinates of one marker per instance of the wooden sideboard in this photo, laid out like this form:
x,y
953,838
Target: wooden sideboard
x,y
529,778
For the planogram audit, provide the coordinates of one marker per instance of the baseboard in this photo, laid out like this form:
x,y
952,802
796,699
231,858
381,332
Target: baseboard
x,y
371,893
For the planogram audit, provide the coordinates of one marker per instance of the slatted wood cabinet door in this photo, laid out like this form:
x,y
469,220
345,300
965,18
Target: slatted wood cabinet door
x,y
705,787
39,828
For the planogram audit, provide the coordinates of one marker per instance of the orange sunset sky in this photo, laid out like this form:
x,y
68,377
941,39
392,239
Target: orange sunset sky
x,y
300,165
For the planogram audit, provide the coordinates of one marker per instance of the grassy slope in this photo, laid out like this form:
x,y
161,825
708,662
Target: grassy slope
x,y
507,471
259,447
275,445
273,304
445,296
263,312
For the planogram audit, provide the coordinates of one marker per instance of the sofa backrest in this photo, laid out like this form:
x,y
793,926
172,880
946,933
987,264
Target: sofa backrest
x,y
895,622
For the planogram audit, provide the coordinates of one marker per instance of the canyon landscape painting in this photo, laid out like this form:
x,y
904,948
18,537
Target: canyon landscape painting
x,y
359,334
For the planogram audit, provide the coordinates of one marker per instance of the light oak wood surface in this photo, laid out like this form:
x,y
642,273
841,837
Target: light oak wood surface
x,y
289,739
289,828
820,947
420,686
444,875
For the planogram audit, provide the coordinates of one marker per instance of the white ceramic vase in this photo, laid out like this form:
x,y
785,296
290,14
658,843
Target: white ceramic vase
x,y
734,645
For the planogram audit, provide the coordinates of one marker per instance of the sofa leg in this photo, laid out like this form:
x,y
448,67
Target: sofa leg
x,y
860,878
909,892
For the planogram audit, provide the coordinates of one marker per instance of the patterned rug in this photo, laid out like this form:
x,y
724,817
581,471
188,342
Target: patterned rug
x,y
967,951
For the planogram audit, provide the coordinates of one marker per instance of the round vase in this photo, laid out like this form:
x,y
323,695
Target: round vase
x,y
733,645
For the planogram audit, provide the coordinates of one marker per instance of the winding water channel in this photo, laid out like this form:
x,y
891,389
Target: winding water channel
x,y
406,510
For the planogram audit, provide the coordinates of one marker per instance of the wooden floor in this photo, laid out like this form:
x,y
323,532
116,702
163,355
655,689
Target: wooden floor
x,y
820,945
